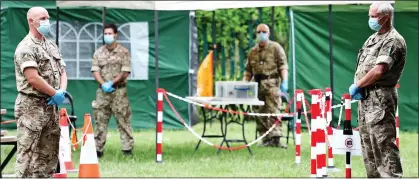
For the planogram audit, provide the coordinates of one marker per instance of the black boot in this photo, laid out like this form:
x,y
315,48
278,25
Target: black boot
x,y
99,154
127,152
266,142
276,142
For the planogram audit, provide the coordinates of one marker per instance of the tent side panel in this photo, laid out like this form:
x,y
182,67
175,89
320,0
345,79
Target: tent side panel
x,y
406,18
80,36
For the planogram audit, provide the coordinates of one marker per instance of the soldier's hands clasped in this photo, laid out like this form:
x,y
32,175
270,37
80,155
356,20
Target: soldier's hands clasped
x,y
354,91
58,98
107,87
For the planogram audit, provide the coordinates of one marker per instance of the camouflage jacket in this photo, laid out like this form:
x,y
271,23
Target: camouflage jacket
x,y
267,60
45,56
388,48
110,63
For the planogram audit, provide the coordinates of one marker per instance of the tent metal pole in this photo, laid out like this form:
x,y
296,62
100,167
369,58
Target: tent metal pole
x,y
215,49
331,45
57,28
191,18
103,23
331,52
294,71
214,42
156,57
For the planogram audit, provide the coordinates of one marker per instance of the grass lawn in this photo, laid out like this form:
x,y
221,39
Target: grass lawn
x,y
180,160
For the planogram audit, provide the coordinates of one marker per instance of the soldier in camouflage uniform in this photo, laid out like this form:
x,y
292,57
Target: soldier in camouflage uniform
x,y
111,66
41,81
381,62
267,64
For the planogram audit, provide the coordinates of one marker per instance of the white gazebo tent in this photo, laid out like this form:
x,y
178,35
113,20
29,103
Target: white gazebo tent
x,y
199,5
212,6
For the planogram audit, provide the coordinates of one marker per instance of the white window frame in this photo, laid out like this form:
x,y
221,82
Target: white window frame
x,y
97,39
62,39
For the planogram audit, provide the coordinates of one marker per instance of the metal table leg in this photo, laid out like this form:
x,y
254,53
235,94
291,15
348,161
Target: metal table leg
x,y
223,120
243,129
210,118
234,119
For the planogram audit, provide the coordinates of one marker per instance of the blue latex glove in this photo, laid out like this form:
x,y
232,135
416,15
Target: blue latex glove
x,y
58,98
107,87
110,89
353,90
51,102
284,86
357,97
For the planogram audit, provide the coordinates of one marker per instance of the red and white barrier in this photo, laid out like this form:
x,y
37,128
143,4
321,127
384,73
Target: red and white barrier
x,y
321,116
330,163
159,126
321,138
315,112
347,131
329,99
300,96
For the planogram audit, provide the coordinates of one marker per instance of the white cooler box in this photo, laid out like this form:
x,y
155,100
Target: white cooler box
x,y
227,90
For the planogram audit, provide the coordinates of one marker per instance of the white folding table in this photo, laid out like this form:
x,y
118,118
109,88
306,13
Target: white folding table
x,y
244,105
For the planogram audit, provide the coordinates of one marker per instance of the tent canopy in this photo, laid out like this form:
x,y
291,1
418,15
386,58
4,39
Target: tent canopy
x,y
198,5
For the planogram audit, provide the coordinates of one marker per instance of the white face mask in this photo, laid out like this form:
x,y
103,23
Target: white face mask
x,y
374,25
108,39
44,26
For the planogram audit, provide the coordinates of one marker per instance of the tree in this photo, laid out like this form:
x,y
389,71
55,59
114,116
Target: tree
x,y
235,29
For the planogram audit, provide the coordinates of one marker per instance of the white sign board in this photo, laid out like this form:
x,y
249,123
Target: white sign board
x,y
346,143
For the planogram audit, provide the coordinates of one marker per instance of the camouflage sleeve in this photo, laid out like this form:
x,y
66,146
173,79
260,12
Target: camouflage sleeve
x,y
95,63
282,61
62,63
25,58
126,63
387,54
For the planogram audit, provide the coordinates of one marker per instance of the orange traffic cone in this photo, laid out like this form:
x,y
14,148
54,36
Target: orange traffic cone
x,y
65,141
89,164
63,172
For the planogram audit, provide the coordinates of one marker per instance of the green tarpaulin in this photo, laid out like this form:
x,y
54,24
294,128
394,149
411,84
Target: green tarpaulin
x,y
80,34
350,30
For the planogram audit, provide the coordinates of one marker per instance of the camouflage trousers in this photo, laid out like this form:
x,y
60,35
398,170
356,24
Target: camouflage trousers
x,y
37,138
272,100
104,106
378,133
